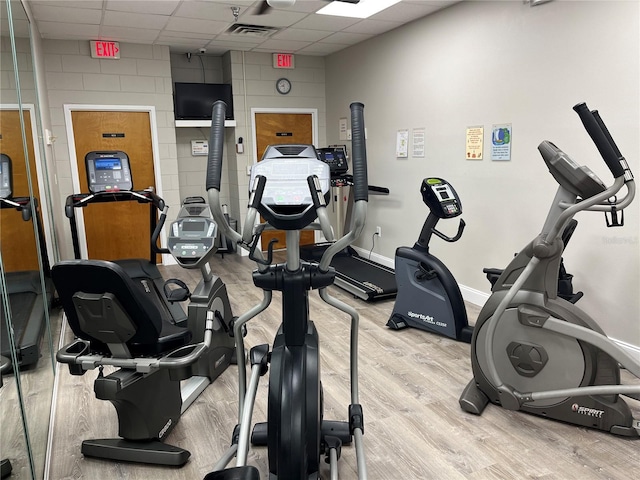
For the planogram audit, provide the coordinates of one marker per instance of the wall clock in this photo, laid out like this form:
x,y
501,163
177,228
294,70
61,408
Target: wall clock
x,y
283,86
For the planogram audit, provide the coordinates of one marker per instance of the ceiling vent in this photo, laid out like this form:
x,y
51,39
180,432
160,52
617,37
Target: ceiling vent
x,y
251,30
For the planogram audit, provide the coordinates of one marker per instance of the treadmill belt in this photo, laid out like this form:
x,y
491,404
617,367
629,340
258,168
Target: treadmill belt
x,y
366,274
22,305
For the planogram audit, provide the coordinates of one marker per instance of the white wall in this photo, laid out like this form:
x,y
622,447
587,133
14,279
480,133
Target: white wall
x,y
492,62
142,77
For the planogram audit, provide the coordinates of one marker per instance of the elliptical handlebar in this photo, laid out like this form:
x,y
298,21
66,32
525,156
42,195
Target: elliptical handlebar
x,y
597,130
361,184
214,173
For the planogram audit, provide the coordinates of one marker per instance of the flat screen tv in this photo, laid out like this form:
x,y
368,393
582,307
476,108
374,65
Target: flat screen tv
x,y
194,101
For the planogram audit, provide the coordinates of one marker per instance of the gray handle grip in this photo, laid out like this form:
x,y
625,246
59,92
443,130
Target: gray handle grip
x,y
216,144
361,184
599,137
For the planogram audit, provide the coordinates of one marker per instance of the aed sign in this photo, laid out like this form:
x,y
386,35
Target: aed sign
x,y
104,49
283,60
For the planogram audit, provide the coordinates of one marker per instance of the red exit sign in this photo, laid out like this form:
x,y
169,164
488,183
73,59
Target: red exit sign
x,y
103,49
283,60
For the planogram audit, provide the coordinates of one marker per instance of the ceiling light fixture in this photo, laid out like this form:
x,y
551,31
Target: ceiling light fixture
x,y
363,9
535,3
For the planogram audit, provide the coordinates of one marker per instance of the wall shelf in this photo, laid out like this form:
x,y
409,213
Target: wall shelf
x,y
202,123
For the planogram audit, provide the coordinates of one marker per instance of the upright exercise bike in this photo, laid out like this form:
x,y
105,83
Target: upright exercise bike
x,y
429,297
289,188
536,352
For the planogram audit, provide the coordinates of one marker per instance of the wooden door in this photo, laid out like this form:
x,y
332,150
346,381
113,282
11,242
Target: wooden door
x,y
283,128
19,248
116,230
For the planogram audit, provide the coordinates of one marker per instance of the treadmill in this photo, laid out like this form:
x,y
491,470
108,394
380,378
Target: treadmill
x,y
109,178
356,274
26,300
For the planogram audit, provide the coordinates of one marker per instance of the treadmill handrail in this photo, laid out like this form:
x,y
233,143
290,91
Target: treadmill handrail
x,y
79,200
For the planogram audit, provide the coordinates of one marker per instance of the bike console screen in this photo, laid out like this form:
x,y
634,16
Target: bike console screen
x,y
441,198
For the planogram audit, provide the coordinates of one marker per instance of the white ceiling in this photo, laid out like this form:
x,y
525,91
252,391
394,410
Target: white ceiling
x,y
188,25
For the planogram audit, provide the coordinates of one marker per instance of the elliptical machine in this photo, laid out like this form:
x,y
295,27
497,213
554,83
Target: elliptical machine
x,y
429,297
289,188
536,352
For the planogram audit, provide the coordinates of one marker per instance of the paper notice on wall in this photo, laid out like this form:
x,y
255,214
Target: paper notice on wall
x,y
475,136
402,144
342,123
418,142
501,142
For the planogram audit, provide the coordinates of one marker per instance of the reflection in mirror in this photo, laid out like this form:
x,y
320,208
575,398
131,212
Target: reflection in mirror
x,y
26,335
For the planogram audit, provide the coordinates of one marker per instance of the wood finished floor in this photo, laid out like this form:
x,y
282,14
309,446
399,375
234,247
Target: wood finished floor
x,y
410,382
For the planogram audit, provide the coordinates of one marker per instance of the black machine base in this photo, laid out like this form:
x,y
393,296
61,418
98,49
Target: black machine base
x,y
331,428
5,468
396,322
429,297
236,473
153,451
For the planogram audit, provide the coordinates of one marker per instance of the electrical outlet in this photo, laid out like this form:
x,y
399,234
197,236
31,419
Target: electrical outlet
x,y
379,231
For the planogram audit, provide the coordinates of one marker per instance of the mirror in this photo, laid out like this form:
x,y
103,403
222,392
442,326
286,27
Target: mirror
x,y
25,397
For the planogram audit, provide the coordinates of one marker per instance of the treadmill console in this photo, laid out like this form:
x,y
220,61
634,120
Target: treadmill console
x,y
335,158
108,171
192,235
5,176
441,198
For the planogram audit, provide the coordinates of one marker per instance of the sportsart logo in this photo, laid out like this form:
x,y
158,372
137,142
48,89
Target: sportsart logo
x,y
426,319
589,412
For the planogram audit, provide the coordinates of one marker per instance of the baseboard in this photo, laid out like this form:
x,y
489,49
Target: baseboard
x,y
471,295
363,252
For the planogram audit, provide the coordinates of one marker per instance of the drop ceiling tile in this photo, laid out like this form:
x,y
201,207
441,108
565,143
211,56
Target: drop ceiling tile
x,y
74,29
346,38
94,4
284,46
205,11
321,49
326,22
134,35
372,27
51,13
300,34
127,19
163,7
198,26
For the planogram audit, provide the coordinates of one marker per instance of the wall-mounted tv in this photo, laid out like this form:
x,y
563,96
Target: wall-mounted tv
x,y
194,101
